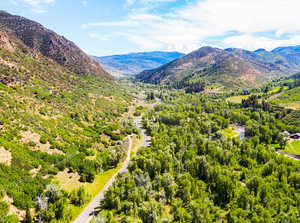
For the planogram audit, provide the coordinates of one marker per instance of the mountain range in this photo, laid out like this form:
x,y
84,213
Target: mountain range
x,y
134,63
231,68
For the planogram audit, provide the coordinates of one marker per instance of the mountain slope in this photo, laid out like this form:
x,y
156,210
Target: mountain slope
x,y
50,44
231,68
53,122
134,63
289,99
290,53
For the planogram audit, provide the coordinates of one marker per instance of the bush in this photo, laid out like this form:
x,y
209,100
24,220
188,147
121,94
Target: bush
x,y
137,113
43,139
79,197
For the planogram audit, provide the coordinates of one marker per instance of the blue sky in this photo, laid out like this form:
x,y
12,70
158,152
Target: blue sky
x,y
105,27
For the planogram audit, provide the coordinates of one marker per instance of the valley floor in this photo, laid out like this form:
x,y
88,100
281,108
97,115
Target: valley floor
x,y
142,140
91,209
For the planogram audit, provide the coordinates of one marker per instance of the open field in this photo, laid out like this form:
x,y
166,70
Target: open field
x,y
291,105
276,90
94,188
237,99
293,147
289,99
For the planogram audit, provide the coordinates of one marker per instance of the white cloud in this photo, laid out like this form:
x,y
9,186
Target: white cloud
x,y
98,37
132,2
188,28
38,11
84,3
37,6
37,3
253,43
247,16
109,24
157,1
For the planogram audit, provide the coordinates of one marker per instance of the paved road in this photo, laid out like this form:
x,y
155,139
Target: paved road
x,y
146,138
294,157
92,207
90,210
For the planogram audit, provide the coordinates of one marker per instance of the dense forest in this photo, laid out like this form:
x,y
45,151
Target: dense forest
x,y
195,172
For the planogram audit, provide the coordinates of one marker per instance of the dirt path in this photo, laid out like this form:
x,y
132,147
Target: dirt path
x,y
87,214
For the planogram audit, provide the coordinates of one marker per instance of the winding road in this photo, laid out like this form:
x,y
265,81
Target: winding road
x,y
88,213
294,157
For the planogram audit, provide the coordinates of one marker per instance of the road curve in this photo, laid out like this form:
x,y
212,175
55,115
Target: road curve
x,y
87,214
294,157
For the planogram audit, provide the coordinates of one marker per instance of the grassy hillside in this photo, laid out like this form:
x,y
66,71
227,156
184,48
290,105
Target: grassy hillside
x,y
232,69
289,99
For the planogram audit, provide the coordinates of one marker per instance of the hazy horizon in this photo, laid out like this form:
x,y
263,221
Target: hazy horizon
x,y
103,28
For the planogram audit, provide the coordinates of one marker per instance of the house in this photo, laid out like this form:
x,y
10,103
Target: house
x,y
295,136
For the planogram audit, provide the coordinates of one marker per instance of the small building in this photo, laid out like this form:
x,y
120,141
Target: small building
x,y
295,136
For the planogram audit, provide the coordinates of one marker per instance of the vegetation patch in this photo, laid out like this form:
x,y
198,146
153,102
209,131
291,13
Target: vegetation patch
x,y
229,132
13,210
68,180
36,142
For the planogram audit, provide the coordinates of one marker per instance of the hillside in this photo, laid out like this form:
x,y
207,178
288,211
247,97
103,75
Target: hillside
x,y
46,42
288,99
213,66
53,123
290,53
134,63
231,68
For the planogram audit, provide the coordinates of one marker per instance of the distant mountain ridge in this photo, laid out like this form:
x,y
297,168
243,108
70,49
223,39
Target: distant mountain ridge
x,y
291,53
42,40
231,67
134,63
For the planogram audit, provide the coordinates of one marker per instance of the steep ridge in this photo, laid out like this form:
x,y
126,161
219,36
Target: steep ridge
x,y
50,44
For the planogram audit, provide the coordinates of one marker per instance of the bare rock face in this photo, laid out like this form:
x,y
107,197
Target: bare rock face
x,y
5,43
48,43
